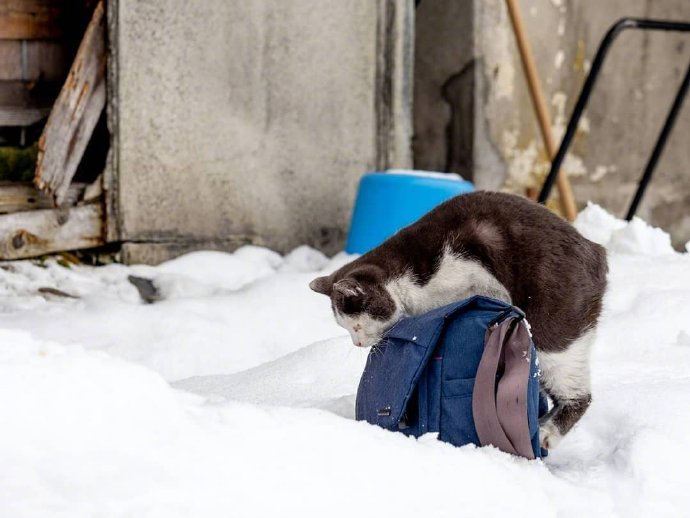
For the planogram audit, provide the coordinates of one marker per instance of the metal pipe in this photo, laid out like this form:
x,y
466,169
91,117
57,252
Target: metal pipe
x,y
660,144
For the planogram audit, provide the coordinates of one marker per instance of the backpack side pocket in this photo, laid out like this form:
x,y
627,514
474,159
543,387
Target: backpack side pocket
x,y
456,423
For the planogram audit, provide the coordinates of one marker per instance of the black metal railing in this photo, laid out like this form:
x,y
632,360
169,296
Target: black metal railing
x,y
613,32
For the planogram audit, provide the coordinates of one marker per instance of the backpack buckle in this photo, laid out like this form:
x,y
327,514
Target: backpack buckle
x,y
384,412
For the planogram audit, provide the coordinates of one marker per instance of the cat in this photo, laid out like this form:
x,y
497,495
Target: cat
x,y
493,244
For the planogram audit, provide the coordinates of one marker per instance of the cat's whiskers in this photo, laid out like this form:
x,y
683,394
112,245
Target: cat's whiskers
x,y
377,348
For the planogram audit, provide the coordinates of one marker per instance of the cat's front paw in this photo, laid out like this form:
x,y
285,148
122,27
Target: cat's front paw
x,y
549,436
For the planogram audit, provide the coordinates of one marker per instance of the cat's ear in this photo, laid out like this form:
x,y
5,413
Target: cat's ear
x,y
348,288
322,285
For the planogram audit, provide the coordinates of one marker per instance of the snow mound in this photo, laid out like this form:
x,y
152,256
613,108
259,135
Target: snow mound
x,y
597,225
634,237
230,313
323,375
304,259
208,272
85,434
640,238
683,338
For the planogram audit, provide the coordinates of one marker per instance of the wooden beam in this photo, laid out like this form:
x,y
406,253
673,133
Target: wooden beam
x,y
18,197
45,60
75,113
23,103
18,116
28,93
10,60
39,232
32,60
30,19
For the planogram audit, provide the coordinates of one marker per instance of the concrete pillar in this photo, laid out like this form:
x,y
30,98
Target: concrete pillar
x,y
251,122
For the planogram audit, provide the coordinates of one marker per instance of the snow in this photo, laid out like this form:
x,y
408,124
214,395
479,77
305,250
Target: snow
x,y
233,396
233,312
634,237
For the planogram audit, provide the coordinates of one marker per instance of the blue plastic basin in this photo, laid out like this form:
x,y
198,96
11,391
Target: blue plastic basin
x,y
389,201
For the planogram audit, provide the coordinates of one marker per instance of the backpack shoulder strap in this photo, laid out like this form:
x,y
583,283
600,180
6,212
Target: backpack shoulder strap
x,y
500,412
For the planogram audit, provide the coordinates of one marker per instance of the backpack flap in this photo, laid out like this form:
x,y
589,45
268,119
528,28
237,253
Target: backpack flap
x,y
393,369
396,364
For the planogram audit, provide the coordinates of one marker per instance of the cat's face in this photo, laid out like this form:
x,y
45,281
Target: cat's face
x,y
361,303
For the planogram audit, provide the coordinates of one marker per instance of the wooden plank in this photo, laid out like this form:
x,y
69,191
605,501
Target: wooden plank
x,y
32,60
28,93
30,19
10,60
15,93
38,232
19,197
18,116
75,113
45,60
23,103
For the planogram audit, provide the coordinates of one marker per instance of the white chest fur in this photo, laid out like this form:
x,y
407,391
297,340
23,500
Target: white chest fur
x,y
456,278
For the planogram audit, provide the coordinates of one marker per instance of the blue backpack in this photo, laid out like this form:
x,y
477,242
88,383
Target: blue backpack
x,y
467,371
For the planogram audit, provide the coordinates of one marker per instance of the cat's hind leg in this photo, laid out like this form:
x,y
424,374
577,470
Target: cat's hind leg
x,y
565,377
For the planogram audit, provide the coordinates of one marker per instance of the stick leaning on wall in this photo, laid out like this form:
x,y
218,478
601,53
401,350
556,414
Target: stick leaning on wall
x,y
536,93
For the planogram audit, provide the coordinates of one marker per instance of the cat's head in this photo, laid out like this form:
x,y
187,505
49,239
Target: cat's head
x,y
362,302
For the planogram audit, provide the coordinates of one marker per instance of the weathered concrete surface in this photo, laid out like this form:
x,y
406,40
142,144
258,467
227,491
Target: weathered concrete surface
x,y
471,42
252,121
444,54
449,112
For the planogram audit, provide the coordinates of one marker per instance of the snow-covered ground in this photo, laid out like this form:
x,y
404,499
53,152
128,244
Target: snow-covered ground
x,y
234,396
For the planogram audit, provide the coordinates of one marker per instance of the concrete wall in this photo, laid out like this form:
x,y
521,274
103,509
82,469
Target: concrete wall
x,y
237,122
240,122
468,69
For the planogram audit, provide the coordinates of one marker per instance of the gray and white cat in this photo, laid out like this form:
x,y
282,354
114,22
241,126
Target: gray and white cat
x,y
492,244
